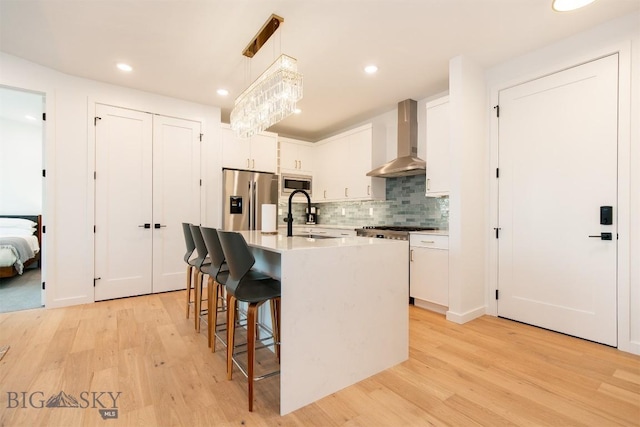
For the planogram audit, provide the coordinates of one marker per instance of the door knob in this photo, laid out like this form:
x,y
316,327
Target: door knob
x,y
604,236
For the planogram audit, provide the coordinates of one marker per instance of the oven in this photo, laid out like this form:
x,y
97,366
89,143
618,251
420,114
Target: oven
x,y
390,232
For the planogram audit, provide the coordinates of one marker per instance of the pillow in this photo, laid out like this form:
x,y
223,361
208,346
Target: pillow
x,y
13,231
17,223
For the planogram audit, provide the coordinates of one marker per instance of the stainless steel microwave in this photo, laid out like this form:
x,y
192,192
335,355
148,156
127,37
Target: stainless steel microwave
x,y
290,183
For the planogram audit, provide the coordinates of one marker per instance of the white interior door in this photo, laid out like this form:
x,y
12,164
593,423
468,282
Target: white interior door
x,y
176,196
123,203
558,166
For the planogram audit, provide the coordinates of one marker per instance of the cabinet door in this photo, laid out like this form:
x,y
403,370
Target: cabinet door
x,y
264,153
288,156
236,152
437,152
429,275
305,159
359,154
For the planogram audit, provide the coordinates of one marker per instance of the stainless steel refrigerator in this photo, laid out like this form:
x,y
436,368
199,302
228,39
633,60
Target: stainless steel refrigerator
x,y
244,193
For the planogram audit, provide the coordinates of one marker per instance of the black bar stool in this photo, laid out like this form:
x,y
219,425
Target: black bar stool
x,y
241,286
218,272
199,262
191,246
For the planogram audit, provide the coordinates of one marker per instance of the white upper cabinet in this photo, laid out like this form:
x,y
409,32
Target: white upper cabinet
x,y
437,153
258,153
296,156
342,163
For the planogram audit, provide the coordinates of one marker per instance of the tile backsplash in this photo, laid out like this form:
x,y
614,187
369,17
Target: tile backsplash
x,y
406,204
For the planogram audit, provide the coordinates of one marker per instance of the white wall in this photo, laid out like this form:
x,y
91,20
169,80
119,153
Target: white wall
x,y
68,198
467,197
20,167
620,35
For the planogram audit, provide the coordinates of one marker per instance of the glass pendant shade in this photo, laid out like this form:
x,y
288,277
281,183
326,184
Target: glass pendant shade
x,y
270,98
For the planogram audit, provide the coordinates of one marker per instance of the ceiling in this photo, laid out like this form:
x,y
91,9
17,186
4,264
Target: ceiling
x,y
188,49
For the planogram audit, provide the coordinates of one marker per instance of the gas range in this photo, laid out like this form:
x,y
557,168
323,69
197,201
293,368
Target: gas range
x,y
391,232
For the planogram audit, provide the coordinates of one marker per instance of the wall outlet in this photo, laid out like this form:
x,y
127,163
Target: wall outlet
x,y
280,211
370,211
344,211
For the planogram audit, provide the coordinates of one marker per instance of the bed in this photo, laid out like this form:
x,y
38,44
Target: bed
x,y
20,237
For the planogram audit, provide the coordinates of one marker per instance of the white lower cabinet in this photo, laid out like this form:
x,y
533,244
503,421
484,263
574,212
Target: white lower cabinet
x,y
429,270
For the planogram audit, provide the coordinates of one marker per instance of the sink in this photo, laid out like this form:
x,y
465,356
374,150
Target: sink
x,y
315,236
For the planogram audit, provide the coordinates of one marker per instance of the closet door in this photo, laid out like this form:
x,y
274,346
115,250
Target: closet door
x,y
123,191
176,196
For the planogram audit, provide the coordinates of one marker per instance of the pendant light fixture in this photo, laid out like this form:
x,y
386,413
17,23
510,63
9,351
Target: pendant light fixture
x,y
272,96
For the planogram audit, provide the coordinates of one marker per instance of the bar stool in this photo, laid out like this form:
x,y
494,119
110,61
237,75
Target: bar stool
x,y
218,272
199,262
191,246
218,275
255,292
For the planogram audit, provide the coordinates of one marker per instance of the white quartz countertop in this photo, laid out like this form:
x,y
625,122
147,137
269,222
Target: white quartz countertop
x,y
281,243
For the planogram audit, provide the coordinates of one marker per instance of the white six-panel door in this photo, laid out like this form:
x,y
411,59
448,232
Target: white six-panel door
x,y
123,204
558,166
176,196
147,183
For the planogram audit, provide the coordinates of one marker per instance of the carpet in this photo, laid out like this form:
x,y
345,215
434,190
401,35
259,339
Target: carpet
x,y
21,292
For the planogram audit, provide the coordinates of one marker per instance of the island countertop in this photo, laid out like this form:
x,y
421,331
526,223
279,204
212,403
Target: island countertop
x,y
281,243
344,310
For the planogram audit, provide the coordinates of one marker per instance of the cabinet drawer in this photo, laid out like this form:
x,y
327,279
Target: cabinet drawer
x,y
433,241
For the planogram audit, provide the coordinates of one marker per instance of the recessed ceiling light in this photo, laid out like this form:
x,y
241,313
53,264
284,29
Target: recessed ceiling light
x,y
297,111
222,92
370,69
28,117
124,67
567,5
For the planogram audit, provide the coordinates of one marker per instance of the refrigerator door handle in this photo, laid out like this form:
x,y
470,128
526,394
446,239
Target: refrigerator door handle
x,y
250,205
254,211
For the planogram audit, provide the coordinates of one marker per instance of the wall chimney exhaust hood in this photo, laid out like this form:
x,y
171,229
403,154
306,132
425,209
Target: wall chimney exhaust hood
x,y
407,163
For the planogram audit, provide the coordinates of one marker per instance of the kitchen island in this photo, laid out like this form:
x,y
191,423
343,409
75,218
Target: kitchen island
x,y
344,310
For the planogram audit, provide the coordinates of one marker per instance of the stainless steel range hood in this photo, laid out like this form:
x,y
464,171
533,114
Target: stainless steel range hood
x,y
407,163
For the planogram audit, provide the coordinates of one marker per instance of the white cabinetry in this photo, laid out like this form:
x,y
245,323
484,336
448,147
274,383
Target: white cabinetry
x,y
437,153
259,153
342,163
296,156
429,271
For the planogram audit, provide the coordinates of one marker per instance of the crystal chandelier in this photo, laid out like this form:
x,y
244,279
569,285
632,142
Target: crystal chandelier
x,y
270,98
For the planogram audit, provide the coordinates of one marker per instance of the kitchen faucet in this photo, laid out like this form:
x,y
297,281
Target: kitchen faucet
x,y
289,218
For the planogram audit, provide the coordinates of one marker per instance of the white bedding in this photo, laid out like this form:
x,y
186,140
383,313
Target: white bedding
x,y
8,257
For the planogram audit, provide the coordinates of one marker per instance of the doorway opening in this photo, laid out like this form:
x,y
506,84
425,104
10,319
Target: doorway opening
x,y
21,198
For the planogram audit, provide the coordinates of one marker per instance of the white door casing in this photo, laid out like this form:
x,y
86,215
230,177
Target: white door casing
x,y
123,180
558,165
176,196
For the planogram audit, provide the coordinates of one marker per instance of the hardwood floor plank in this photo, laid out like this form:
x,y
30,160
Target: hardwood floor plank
x,y
488,372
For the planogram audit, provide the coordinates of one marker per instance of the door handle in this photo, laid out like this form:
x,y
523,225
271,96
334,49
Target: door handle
x,y
158,226
145,226
603,236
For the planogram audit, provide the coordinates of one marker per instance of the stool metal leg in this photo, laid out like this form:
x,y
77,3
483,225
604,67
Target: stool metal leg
x,y
231,329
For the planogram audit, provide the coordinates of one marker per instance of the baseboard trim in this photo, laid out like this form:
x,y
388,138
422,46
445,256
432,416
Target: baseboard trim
x,y
466,317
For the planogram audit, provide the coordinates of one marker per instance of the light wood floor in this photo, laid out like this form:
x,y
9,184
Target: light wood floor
x,y
488,372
